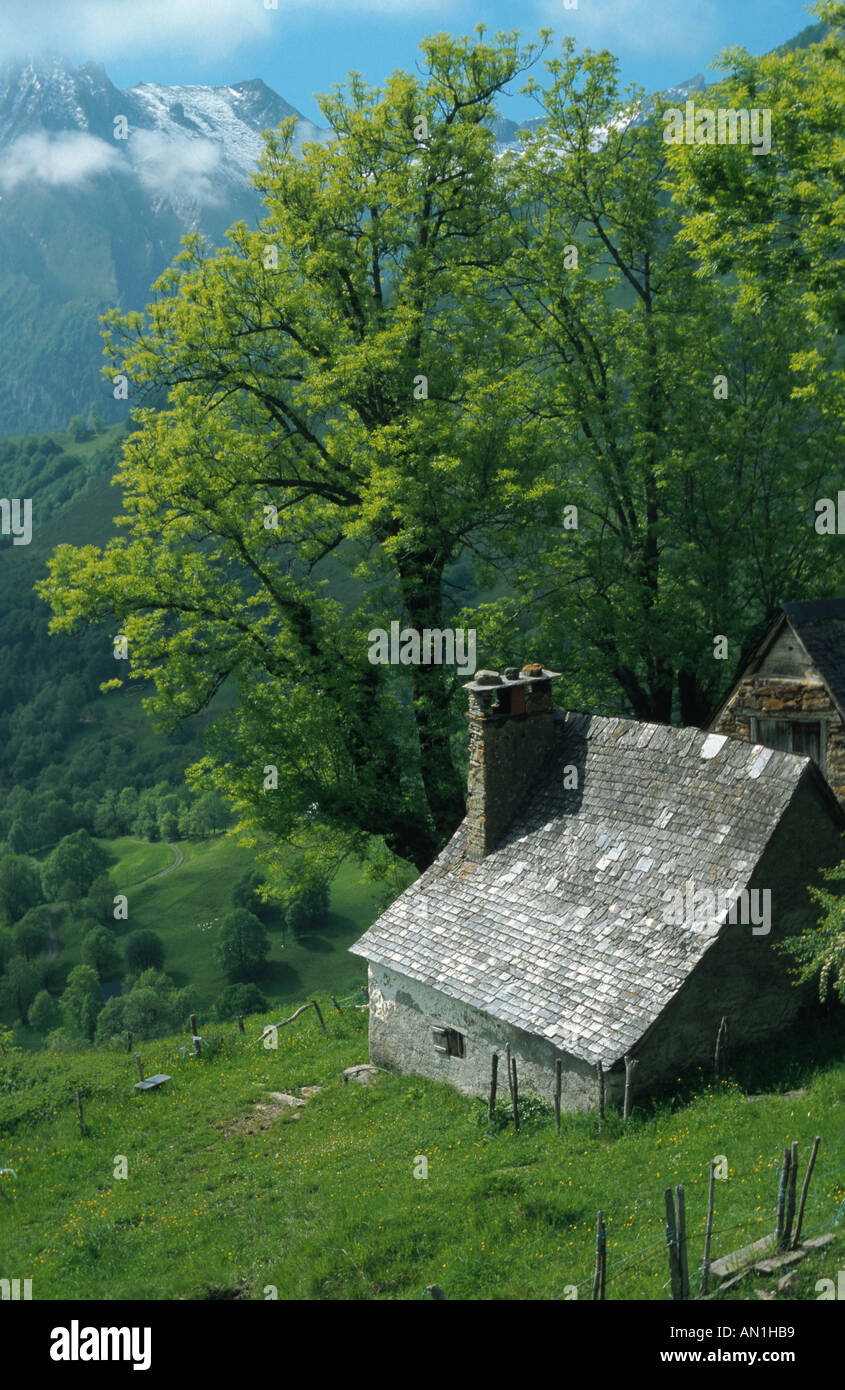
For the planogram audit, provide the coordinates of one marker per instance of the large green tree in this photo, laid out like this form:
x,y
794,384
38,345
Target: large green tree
x,y
242,945
82,1000
20,984
20,886
340,387
73,867
674,422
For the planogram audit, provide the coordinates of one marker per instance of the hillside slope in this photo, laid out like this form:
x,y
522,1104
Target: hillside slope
x,y
232,1191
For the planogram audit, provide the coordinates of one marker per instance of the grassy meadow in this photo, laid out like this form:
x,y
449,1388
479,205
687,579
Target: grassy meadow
x,y
229,1194
196,892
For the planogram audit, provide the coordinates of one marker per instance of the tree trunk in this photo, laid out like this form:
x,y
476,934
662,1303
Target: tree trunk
x,y
420,582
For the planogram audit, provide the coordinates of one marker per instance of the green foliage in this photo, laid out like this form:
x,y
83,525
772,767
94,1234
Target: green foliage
x,y
144,1011
100,951
308,910
73,867
208,815
8,947
144,950
44,1012
82,1000
242,944
819,953
246,893
31,933
98,903
695,513
21,981
20,886
78,430
532,1110
778,220
111,1021
325,426
238,1000
18,839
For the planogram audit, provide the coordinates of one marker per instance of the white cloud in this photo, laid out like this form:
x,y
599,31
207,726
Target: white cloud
x,y
634,25
56,158
105,29
176,168
108,29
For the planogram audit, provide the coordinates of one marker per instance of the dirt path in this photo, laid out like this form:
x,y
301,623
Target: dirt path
x,y
178,859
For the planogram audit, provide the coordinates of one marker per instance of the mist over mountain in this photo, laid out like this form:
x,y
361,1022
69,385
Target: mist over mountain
x,y
88,220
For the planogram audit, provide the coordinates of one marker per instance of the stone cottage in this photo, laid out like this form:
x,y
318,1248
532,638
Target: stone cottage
x,y
549,922
791,694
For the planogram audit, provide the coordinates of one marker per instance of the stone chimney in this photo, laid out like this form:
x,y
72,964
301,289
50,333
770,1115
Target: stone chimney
x,y
511,732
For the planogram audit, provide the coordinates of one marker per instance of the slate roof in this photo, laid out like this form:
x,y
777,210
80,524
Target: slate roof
x,y
820,626
551,932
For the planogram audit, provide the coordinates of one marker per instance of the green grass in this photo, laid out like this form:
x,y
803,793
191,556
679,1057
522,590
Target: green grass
x,y
135,860
327,1206
179,905
200,891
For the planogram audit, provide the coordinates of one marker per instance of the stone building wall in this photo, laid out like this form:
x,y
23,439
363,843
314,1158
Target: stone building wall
x,y
774,697
403,1013
744,977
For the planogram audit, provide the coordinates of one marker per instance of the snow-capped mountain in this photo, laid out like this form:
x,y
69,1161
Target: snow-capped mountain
x,y
97,185
60,124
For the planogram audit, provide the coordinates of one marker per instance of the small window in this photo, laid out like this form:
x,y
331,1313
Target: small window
x,y
448,1041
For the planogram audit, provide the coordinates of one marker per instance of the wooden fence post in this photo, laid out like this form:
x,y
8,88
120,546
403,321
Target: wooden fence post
x,y
491,1104
128,1042
195,1037
319,1015
140,1066
337,1006
515,1095
683,1266
558,1071
599,1276
241,1028
600,1080
719,1059
790,1196
782,1186
80,1119
630,1064
804,1190
708,1230
672,1244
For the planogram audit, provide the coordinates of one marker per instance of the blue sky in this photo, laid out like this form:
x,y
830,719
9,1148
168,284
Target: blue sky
x,y
304,46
